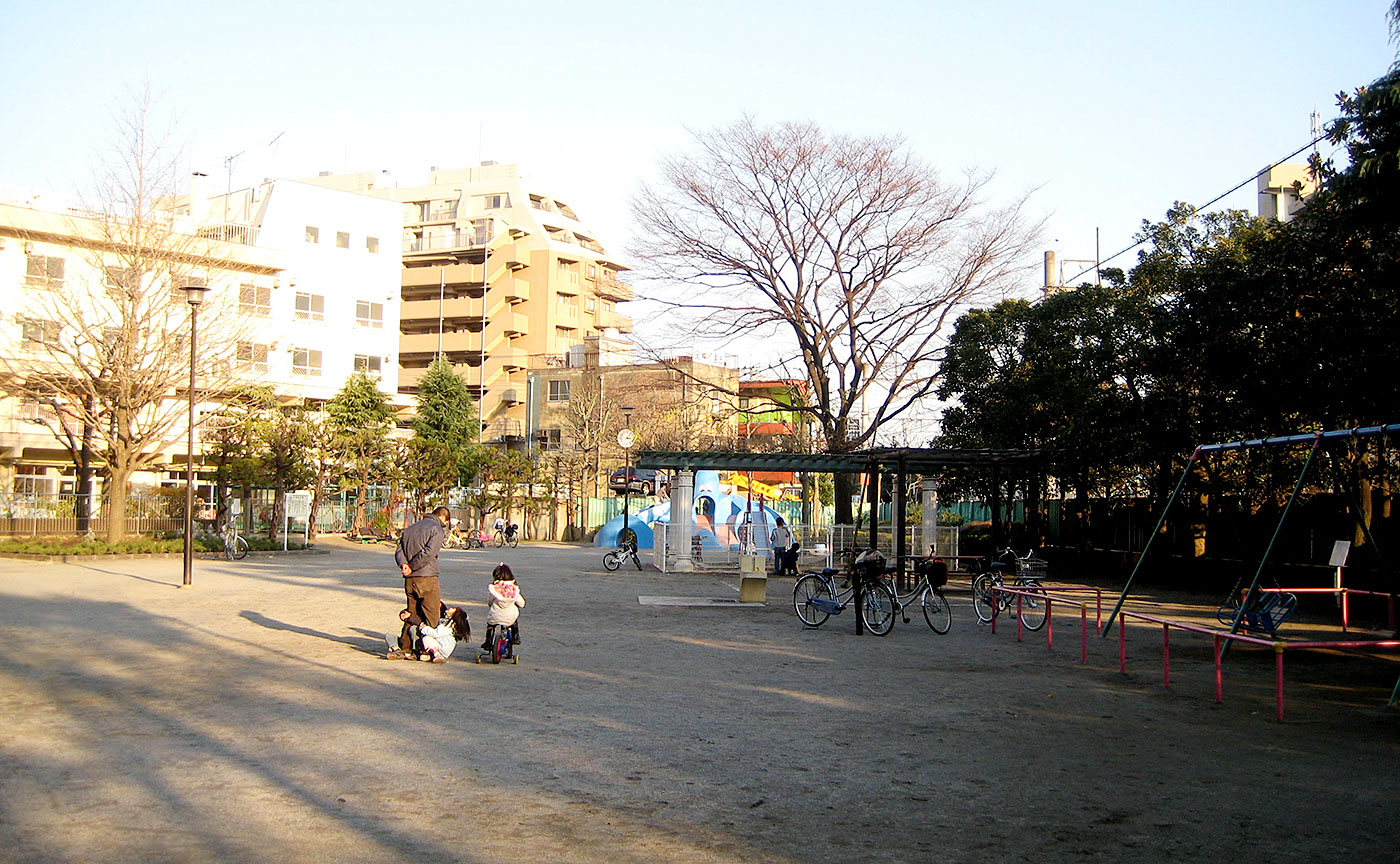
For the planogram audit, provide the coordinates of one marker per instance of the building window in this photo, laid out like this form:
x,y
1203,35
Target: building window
x,y
552,439
372,245
567,304
32,480
592,304
311,307
36,331
313,234
559,390
119,278
306,362
45,270
252,357
179,281
342,239
368,365
254,299
608,306
496,202
369,314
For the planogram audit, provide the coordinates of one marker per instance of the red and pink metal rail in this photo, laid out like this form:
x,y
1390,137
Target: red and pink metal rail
x,y
1054,595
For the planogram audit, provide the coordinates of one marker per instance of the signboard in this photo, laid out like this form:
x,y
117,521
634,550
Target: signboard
x,y
298,505
1340,549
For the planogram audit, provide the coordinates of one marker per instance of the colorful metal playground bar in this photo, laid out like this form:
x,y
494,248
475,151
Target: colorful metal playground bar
x,y
1221,639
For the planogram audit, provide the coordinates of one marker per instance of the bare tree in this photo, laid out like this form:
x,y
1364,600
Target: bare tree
x,y
849,251
106,342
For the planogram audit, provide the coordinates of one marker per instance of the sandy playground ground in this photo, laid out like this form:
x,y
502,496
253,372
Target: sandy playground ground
x,y
251,718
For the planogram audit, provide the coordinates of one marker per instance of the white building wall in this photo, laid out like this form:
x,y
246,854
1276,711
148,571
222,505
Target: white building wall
x,y
343,276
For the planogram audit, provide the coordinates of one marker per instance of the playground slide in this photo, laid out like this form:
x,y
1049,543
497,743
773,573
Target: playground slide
x,y
718,517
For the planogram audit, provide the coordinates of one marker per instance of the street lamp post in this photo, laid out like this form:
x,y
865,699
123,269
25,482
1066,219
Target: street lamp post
x,y
541,438
194,295
625,439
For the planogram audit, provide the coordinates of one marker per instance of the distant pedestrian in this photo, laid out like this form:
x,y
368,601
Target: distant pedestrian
x,y
781,538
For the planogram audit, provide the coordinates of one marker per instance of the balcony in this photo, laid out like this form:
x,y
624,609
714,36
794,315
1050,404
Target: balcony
x,y
614,290
515,324
512,359
612,320
458,313
229,232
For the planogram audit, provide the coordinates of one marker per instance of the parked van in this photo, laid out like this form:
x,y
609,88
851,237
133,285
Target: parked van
x,y
643,480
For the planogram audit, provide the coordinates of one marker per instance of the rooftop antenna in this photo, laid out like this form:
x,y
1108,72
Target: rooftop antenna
x,y
228,165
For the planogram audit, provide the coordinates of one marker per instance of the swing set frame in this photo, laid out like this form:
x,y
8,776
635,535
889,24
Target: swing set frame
x,y
1314,442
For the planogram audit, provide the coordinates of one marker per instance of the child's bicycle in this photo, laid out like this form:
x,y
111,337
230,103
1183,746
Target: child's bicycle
x,y
617,557
502,647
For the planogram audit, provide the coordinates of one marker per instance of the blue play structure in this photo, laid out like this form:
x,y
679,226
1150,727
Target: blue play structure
x,y
718,518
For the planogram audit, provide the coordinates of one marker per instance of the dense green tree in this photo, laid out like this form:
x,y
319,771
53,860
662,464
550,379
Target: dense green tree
x,y
284,439
447,416
360,419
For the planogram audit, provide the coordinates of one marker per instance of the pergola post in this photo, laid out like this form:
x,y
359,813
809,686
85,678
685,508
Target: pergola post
x,y
682,523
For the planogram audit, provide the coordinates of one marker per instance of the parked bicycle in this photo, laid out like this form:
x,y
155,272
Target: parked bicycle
x,y
235,544
508,536
1006,569
816,596
617,557
933,575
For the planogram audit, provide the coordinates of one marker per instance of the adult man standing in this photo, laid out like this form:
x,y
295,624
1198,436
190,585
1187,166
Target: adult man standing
x,y
781,538
417,557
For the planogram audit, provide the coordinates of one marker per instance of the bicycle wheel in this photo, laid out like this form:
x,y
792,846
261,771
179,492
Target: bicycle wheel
x,y
497,647
807,589
636,560
982,597
513,540
1032,607
500,538
612,560
936,611
878,609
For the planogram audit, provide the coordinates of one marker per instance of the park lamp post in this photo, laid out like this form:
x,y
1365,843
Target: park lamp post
x,y
194,295
625,439
537,470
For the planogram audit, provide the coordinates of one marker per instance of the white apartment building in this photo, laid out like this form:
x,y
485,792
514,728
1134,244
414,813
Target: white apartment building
x,y
303,290
498,274
333,309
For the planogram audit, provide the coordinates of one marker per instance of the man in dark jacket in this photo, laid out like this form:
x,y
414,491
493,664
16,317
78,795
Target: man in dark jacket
x,y
417,557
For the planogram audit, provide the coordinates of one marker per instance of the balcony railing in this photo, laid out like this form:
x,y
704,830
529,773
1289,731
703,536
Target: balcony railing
x,y
230,232
454,240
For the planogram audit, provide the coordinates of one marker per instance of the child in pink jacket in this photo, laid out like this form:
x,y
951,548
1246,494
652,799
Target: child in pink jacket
x,y
504,605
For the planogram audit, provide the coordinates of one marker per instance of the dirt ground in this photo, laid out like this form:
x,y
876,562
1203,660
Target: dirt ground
x,y
250,718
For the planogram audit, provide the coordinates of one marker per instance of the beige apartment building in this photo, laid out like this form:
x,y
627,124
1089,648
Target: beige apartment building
x,y
496,273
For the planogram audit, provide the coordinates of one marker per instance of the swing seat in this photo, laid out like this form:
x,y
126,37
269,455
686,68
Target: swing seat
x,y
1267,614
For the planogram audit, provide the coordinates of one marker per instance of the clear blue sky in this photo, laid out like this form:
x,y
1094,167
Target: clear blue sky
x,y
1111,109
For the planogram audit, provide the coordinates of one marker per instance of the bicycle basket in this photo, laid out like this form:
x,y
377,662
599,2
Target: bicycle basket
x,y
936,569
1033,568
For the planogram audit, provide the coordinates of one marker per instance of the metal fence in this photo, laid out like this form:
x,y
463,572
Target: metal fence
x,y
820,546
29,515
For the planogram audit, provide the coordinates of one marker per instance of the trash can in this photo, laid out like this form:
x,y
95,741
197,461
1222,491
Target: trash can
x,y
753,579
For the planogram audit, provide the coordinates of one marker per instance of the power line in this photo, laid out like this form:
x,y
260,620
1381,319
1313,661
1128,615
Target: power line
x,y
1205,206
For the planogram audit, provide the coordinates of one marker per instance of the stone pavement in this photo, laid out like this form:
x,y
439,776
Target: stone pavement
x,y
250,718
